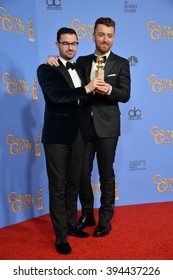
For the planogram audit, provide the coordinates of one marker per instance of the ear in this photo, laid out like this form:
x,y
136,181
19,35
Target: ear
x,y
57,44
93,37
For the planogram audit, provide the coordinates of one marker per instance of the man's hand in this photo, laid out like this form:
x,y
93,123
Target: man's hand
x,y
94,84
103,89
53,61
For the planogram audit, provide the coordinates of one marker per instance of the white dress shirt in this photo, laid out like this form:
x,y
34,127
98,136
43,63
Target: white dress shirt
x,y
94,66
73,73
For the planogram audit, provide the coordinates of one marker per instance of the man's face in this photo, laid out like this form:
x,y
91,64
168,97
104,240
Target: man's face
x,y
66,50
103,38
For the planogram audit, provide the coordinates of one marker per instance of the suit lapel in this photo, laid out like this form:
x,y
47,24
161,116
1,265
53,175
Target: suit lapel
x,y
109,63
66,74
88,68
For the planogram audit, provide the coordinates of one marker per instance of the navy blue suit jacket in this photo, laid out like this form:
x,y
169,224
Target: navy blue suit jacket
x,y
63,115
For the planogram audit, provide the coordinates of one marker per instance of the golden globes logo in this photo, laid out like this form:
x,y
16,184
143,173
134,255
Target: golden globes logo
x,y
163,184
19,86
11,23
22,145
162,136
97,191
83,30
160,85
159,32
21,202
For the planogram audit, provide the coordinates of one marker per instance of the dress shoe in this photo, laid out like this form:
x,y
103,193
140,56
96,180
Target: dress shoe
x,y
84,222
102,231
63,246
77,233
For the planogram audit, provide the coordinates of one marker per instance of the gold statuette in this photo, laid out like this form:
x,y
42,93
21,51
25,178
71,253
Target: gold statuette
x,y
37,150
34,96
40,199
100,70
116,190
31,33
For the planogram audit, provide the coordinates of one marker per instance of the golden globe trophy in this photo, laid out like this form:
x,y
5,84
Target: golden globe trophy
x,y
100,71
116,190
37,150
31,33
34,96
40,199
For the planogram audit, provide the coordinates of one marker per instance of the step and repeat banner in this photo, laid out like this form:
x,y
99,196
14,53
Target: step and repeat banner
x,y
144,35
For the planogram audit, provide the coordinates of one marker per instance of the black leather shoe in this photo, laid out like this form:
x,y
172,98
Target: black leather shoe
x,y
63,246
78,233
102,231
84,222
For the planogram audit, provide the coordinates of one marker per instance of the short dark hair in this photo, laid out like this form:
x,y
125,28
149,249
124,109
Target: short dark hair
x,y
106,21
65,30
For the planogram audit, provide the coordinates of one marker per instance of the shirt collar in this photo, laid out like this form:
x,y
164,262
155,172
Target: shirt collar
x,y
63,60
106,54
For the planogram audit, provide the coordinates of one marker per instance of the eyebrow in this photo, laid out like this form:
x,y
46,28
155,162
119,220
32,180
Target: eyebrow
x,y
105,33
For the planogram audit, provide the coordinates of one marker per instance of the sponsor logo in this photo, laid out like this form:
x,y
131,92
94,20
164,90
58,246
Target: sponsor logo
x,y
133,61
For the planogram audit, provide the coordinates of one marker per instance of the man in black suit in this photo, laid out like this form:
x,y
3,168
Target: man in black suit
x,y
64,135
103,124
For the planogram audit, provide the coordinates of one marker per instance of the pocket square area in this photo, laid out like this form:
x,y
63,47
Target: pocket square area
x,y
111,75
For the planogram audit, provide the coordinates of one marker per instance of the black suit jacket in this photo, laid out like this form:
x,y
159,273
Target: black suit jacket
x,y
63,115
106,112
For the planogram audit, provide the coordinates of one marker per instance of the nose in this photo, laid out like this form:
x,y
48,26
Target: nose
x,y
105,39
70,47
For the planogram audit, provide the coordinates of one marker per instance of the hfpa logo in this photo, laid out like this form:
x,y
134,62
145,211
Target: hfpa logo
x,y
135,114
54,4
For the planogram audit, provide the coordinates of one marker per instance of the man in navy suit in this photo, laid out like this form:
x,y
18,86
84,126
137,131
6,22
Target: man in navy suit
x,y
64,135
103,124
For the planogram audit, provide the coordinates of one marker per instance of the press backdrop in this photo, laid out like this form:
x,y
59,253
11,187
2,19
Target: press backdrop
x,y
144,35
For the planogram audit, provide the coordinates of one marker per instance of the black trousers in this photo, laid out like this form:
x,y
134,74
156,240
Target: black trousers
x,y
104,149
64,167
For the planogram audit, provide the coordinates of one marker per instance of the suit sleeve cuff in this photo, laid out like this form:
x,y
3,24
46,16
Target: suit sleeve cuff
x,y
109,92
